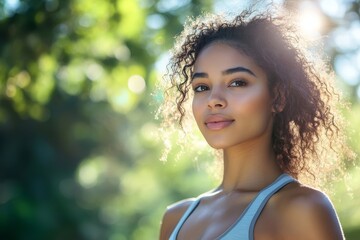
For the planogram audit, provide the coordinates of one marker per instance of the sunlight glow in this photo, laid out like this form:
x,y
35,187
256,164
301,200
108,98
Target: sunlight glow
x,y
309,20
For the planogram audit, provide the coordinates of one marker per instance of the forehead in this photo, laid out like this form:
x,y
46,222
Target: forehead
x,y
223,56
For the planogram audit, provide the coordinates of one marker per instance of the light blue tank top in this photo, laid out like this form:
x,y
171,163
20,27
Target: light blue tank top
x,y
243,227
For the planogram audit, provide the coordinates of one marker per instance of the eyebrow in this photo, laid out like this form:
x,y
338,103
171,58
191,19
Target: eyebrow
x,y
225,72
238,69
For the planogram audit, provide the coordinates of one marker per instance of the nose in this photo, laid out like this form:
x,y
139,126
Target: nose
x,y
217,99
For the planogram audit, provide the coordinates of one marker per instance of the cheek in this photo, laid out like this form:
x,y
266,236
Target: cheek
x,y
257,102
196,109
199,107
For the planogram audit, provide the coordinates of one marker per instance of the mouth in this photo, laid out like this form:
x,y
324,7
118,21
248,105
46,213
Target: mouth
x,y
218,122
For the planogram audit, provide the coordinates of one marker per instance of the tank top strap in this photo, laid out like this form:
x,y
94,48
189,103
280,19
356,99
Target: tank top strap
x,y
243,228
185,216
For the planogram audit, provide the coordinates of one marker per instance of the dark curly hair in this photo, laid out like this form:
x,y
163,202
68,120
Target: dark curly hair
x,y
309,124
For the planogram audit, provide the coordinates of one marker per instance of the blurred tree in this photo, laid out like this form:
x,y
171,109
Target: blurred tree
x,y
78,154
75,83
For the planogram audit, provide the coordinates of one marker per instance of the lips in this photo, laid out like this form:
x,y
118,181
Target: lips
x,y
217,122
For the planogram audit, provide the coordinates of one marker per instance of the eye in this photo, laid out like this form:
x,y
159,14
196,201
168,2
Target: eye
x,y
238,83
201,88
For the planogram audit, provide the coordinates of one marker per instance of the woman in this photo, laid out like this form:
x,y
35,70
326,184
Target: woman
x,y
256,97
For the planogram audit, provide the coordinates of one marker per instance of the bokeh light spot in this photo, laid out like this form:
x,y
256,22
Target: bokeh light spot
x,y
347,70
94,71
122,53
11,91
136,84
89,171
155,21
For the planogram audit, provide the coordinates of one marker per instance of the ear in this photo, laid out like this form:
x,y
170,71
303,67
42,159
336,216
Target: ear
x,y
279,100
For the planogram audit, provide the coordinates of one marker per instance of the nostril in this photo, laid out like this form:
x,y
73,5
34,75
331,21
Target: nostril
x,y
218,105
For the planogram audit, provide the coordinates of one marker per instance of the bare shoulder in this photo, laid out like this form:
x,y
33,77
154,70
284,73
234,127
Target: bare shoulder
x,y
172,216
308,213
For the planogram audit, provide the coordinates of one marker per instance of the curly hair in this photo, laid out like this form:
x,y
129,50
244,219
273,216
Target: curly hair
x,y
309,124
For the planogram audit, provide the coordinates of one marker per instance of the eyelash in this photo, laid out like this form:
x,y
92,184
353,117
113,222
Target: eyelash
x,y
239,83
196,89
243,83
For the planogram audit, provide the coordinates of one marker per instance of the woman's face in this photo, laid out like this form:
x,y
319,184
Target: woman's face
x,y
231,104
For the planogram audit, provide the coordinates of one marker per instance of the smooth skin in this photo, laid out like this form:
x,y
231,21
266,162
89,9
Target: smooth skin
x,y
233,109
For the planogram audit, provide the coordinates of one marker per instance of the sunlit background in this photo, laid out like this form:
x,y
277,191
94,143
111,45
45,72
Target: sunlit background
x,y
79,154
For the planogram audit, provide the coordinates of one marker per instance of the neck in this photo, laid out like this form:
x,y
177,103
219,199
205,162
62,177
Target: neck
x,y
249,167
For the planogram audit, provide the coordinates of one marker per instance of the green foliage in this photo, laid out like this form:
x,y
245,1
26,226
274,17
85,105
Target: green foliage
x,y
77,156
79,151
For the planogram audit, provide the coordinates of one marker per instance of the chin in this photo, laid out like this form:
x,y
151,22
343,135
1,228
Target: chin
x,y
218,145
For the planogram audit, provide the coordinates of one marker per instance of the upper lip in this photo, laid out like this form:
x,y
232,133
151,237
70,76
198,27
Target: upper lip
x,y
217,118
